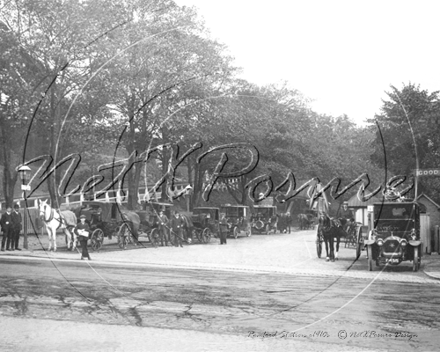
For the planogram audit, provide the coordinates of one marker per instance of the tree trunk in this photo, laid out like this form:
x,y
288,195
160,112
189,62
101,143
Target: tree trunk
x,y
8,180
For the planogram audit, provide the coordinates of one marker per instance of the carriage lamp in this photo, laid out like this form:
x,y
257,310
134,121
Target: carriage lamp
x,y
413,234
379,242
403,242
25,173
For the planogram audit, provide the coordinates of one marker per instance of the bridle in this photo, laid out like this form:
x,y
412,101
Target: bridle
x,y
43,213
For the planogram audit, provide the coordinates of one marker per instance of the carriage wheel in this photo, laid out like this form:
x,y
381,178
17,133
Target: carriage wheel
x,y
358,244
370,257
155,237
97,239
235,232
206,235
416,259
123,236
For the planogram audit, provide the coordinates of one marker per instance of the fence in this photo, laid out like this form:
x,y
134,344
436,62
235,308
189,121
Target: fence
x,y
79,198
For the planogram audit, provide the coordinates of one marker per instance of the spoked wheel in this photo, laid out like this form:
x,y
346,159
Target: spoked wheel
x,y
370,257
235,232
416,259
206,235
155,237
358,244
124,234
97,239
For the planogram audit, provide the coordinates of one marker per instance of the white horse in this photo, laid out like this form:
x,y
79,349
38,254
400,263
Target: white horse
x,y
54,220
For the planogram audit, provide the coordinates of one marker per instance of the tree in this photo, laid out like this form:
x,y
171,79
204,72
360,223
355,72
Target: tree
x,y
408,134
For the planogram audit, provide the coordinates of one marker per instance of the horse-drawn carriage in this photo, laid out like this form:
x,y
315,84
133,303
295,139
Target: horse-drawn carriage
x,y
205,222
330,229
264,219
394,234
108,220
238,218
150,222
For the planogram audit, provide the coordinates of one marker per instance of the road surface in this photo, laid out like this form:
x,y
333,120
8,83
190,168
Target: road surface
x,y
135,307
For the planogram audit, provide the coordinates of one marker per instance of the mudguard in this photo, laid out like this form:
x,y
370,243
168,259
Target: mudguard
x,y
368,242
415,243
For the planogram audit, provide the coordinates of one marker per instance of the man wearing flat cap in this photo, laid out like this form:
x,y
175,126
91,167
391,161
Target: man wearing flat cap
x,y
83,231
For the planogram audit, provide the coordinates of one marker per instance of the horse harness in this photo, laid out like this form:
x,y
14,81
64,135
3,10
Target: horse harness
x,y
61,220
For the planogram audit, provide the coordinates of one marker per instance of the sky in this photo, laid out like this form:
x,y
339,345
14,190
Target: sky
x,y
343,55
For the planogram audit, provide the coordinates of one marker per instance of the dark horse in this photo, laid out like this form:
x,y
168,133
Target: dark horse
x,y
328,230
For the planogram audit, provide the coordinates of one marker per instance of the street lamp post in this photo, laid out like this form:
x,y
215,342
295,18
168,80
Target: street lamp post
x,y
24,175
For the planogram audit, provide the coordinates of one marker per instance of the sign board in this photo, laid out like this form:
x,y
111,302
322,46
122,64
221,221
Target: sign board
x,y
25,187
428,172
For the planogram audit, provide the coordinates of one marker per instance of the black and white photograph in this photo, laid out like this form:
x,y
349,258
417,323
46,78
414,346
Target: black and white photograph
x,y
201,175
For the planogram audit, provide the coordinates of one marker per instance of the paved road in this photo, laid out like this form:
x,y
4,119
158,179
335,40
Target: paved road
x,y
221,297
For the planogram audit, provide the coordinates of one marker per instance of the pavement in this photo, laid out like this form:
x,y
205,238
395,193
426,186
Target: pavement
x,y
281,254
431,265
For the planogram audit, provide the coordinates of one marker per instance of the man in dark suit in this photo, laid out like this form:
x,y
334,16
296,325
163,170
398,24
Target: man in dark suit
x,y
163,223
7,228
176,229
223,227
16,224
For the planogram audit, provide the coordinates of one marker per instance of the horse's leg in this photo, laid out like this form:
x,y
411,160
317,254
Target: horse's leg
x,y
326,242
74,238
332,248
70,241
49,237
337,246
54,238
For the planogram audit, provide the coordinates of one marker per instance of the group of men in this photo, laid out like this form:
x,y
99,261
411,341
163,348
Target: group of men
x,y
11,227
171,231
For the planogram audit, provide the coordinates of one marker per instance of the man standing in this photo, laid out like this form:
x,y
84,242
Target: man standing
x,y
346,215
7,228
176,228
83,231
163,227
223,225
16,224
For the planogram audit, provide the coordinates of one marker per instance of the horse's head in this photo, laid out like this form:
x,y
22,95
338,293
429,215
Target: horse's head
x,y
43,209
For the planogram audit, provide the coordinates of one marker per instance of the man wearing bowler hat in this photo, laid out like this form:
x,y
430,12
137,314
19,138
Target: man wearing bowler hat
x,y
7,228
